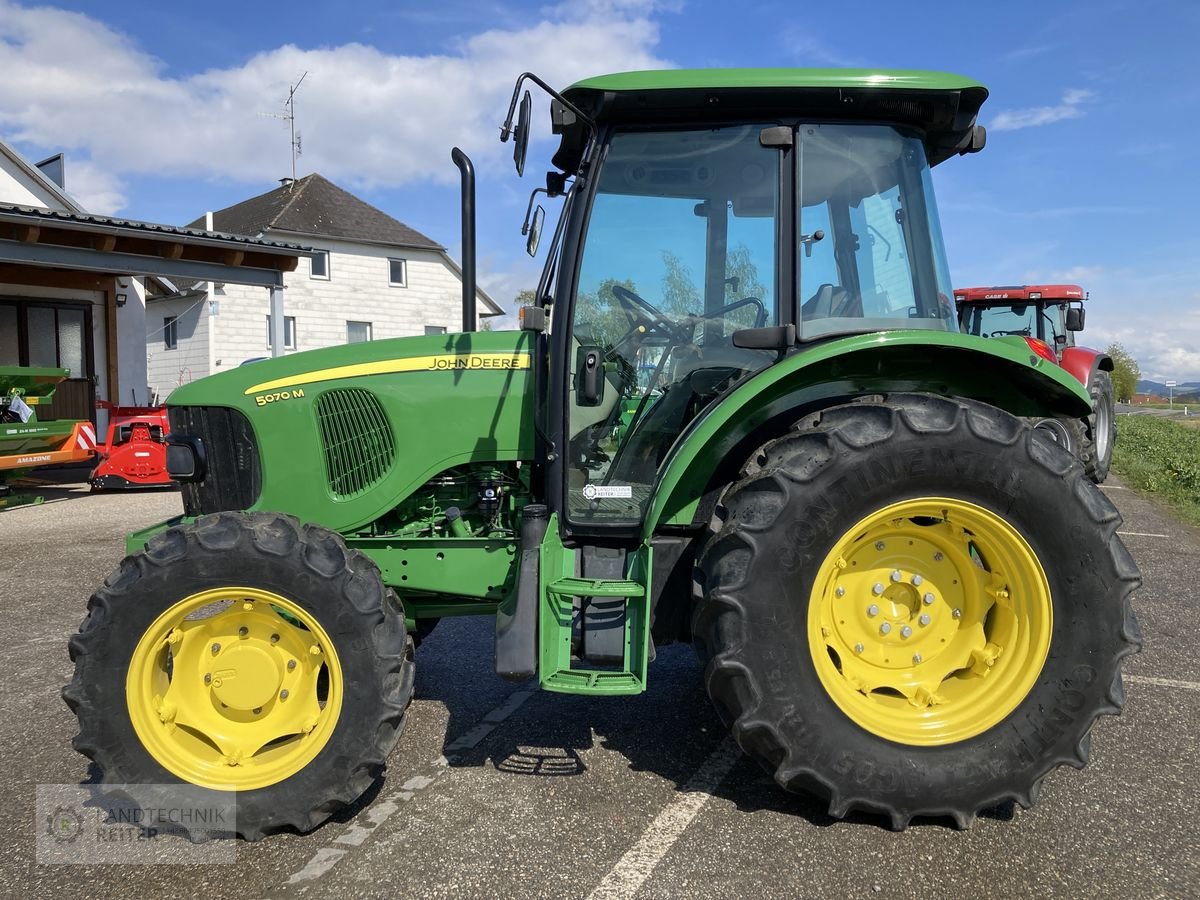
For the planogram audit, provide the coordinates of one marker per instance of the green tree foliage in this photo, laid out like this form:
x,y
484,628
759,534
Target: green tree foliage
x,y
1125,372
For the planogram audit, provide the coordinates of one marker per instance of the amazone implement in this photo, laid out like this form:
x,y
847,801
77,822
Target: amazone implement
x,y
754,426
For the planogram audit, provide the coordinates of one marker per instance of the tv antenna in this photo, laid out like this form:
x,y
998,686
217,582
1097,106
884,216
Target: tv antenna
x,y
290,117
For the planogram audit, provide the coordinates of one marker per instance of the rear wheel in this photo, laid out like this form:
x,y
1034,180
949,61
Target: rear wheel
x,y
243,655
1102,427
915,607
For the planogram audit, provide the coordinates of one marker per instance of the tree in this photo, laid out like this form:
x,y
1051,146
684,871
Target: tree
x,y
1125,372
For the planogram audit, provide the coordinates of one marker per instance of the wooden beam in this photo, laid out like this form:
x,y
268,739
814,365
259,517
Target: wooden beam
x,y
233,257
28,234
43,277
171,251
104,242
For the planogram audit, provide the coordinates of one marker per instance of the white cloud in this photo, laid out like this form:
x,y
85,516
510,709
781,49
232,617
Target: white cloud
x,y
1071,107
96,190
368,118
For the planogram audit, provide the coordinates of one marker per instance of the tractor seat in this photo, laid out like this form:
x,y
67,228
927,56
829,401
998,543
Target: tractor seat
x,y
831,302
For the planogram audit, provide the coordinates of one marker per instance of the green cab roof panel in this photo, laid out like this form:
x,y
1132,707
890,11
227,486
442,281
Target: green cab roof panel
x,y
943,106
669,79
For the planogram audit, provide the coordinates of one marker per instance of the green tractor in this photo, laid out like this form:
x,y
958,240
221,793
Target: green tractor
x,y
906,600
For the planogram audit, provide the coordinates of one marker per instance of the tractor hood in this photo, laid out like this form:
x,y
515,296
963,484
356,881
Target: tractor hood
x,y
338,436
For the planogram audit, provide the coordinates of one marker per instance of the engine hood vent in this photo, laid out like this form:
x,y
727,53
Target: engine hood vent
x,y
356,440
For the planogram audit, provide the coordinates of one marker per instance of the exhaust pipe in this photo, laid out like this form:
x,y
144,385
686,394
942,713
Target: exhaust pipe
x,y
468,236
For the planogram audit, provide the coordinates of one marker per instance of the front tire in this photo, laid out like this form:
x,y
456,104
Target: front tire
x,y
916,607
248,656
1101,427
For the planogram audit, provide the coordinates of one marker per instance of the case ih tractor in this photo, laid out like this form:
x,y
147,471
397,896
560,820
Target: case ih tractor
x,y
907,600
1046,317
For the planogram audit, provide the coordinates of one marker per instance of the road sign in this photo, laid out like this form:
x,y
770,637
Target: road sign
x,y
1172,383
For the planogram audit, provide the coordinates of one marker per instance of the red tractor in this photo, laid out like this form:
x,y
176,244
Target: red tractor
x,y
1046,317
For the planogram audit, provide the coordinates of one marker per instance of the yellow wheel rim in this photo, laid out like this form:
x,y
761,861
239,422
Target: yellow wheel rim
x,y
234,688
929,621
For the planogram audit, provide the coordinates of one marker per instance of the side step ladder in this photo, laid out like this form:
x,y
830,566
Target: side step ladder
x,y
580,635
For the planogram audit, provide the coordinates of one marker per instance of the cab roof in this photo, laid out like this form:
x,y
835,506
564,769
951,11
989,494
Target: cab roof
x,y
1023,292
942,105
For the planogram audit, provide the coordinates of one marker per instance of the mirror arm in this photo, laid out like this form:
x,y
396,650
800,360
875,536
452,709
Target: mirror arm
x,y
506,130
529,208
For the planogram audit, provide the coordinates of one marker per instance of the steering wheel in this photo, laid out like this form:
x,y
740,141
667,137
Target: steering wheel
x,y
642,313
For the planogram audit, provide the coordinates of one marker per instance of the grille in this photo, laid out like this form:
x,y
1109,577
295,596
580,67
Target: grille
x,y
356,440
233,476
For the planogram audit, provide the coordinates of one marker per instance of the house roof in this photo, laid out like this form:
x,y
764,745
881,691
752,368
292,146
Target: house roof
x,y
35,236
314,205
38,177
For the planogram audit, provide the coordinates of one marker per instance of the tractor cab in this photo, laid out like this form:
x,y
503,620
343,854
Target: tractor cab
x,y
711,228
1048,313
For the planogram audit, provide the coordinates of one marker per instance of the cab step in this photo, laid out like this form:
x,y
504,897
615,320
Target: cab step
x,y
564,628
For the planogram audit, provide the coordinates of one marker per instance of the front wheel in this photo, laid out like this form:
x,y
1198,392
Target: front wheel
x,y
1101,426
915,607
248,657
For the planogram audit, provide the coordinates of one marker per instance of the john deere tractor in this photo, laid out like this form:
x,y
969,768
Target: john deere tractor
x,y
739,414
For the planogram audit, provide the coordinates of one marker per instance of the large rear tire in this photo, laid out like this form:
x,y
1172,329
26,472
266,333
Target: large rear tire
x,y
915,606
244,655
1101,434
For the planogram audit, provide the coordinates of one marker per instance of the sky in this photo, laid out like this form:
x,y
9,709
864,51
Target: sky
x,y
167,110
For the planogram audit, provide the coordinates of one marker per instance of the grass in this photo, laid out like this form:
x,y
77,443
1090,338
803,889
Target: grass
x,y
1161,456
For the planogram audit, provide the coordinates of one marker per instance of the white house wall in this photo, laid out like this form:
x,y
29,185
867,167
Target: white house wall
x,y
17,189
168,369
357,290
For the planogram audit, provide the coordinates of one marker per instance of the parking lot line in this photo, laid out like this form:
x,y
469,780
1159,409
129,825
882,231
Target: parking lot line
x,y
381,810
1141,534
1163,682
632,870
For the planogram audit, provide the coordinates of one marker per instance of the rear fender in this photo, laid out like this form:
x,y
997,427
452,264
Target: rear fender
x,y
709,453
1084,362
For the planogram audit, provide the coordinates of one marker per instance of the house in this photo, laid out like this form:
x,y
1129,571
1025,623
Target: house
x,y
72,284
368,276
64,321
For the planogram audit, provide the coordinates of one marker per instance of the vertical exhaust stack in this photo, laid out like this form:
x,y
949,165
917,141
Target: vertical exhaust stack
x,y
468,236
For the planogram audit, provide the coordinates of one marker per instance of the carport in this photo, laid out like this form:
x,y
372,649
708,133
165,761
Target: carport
x,y
68,291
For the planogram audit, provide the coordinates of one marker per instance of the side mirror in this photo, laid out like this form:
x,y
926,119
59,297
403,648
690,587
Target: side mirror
x,y
535,231
521,136
1075,318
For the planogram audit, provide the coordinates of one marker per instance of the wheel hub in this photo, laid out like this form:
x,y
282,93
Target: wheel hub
x,y
246,676
923,603
234,688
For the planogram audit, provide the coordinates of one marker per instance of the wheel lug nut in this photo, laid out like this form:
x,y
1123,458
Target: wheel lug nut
x,y
291,664
243,631
928,599
957,613
877,589
274,639
283,695
916,580
208,678
896,576
924,620
905,632
916,658
872,610
859,648
885,628
879,545
216,648
840,591
937,557
257,710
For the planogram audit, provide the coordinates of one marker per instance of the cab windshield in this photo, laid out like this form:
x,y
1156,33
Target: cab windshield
x,y
683,249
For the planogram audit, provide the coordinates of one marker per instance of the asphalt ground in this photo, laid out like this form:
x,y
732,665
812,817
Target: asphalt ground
x,y
496,790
